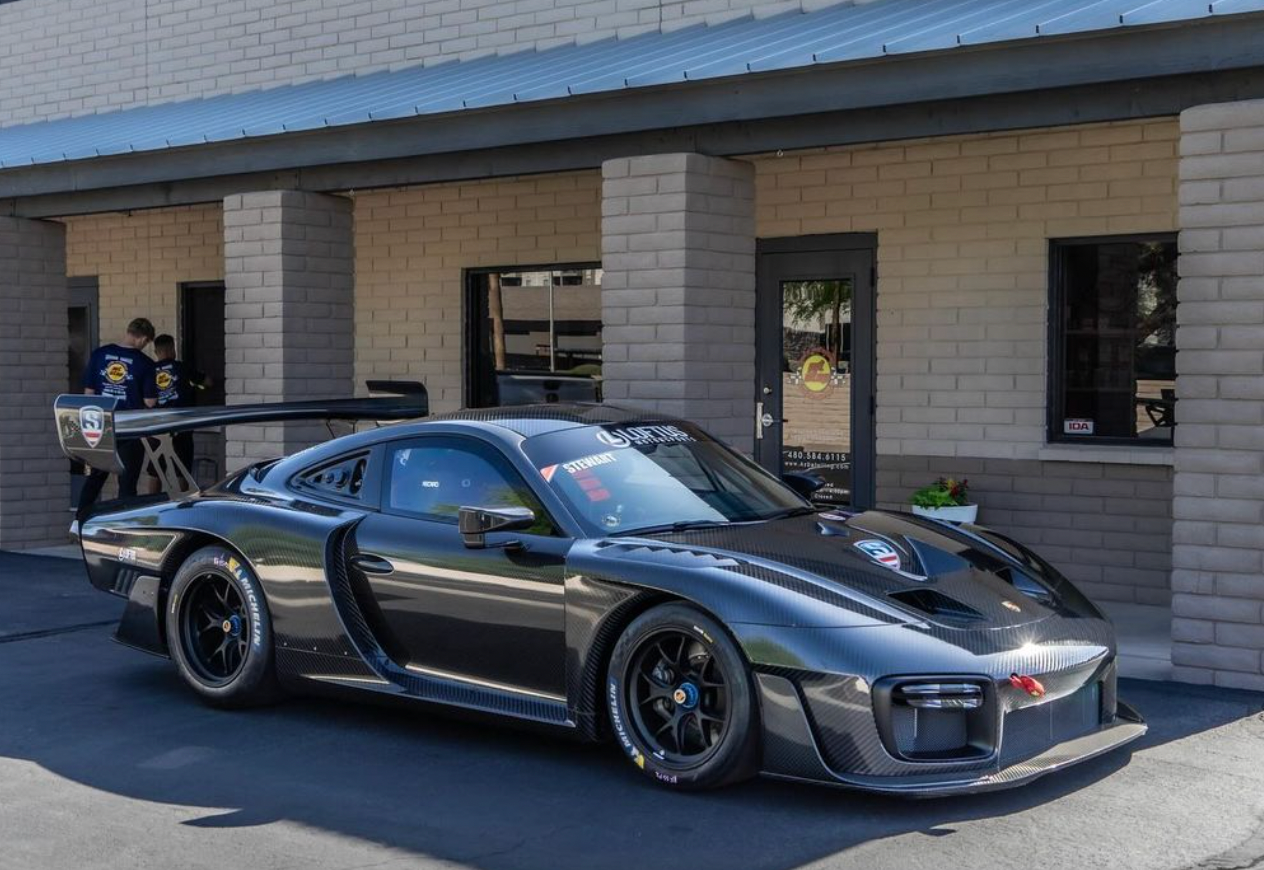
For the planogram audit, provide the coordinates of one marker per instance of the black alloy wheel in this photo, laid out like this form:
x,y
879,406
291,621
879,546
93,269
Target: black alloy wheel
x,y
679,698
215,628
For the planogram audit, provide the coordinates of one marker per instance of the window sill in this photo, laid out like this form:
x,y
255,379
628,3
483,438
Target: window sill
x,y
1113,454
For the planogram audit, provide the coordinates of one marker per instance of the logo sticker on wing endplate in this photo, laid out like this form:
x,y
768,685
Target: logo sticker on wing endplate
x,y
92,424
881,552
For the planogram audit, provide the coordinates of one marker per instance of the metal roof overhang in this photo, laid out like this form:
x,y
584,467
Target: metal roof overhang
x,y
1083,77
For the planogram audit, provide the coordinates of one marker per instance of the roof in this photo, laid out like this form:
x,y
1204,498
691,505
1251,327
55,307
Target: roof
x,y
838,35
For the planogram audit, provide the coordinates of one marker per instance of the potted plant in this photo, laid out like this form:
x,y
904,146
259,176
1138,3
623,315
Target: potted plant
x,y
946,499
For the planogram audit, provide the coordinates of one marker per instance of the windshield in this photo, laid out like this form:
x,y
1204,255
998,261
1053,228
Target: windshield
x,y
620,479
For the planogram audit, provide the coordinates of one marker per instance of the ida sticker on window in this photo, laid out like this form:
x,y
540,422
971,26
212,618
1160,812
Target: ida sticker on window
x,y
1077,427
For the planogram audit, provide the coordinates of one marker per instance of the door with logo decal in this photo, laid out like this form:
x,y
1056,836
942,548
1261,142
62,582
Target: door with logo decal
x,y
815,362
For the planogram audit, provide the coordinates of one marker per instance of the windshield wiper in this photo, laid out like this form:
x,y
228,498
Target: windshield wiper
x,y
791,512
679,526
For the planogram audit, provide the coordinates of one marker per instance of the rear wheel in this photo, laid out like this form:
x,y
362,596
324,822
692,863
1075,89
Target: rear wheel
x,y
219,631
680,700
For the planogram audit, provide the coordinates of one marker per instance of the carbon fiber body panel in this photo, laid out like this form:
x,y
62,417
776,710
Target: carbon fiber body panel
x,y
827,626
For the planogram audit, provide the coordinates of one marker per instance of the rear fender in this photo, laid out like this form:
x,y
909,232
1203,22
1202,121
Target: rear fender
x,y
137,553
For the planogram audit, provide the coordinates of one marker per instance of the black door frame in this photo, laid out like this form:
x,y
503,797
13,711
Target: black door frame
x,y
863,336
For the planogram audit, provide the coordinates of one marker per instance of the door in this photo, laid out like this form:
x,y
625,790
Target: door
x,y
84,336
201,345
495,616
815,362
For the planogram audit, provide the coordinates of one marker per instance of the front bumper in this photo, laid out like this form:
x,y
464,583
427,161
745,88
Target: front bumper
x,y
791,751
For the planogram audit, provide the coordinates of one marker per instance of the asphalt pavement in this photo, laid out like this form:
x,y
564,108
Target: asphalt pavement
x,y
107,761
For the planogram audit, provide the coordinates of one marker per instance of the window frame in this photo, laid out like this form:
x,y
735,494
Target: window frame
x,y
470,306
1055,395
369,496
450,440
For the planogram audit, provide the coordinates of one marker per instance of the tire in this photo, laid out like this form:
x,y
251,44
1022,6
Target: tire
x,y
675,673
219,631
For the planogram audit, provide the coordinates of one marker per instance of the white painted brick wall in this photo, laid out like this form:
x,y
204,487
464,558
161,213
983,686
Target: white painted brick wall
x,y
963,229
678,295
1218,547
34,485
70,57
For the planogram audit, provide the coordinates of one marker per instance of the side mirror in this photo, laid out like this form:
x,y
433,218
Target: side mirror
x,y
804,484
475,522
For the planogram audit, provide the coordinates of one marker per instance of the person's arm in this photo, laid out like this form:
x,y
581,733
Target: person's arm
x,y
149,386
88,391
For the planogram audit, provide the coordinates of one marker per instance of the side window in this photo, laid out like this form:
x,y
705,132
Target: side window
x,y
433,479
342,478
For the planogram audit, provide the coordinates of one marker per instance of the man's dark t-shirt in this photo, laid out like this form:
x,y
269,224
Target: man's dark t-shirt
x,y
122,372
177,383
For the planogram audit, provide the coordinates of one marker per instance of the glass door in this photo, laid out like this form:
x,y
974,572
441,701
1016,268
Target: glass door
x,y
814,407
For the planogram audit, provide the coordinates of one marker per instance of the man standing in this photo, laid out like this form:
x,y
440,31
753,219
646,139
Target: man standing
x,y
177,382
124,372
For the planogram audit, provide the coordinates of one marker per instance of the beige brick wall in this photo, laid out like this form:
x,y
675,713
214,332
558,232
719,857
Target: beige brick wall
x,y
142,257
963,226
72,57
1218,553
411,246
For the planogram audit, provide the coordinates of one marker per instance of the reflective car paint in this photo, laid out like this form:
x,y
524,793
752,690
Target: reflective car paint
x,y
526,633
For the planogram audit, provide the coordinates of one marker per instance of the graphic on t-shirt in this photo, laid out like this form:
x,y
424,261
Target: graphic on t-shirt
x,y
116,372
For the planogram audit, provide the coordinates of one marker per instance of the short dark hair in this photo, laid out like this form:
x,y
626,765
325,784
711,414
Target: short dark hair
x,y
141,328
165,342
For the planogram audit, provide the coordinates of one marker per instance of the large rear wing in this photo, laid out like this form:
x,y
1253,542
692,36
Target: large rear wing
x,y
90,427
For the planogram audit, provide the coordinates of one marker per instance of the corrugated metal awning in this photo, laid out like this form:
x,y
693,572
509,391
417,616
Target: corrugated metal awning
x,y
842,34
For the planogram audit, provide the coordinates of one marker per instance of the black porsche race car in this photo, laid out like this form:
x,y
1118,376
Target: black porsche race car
x,y
617,576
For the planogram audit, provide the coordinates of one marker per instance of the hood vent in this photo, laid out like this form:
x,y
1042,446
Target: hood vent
x,y
938,605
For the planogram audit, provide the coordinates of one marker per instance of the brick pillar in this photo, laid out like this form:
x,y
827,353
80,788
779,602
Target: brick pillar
x,y
34,475
288,313
678,291
1218,536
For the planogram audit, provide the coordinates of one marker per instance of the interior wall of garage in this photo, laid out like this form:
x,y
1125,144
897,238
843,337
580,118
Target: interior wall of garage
x,y
963,228
141,258
412,244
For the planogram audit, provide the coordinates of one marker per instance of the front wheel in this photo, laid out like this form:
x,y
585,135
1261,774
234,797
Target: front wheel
x,y
680,700
219,631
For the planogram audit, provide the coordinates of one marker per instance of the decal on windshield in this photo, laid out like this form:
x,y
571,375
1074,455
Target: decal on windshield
x,y
586,462
634,436
881,552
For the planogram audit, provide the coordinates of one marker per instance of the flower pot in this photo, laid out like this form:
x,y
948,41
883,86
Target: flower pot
x,y
965,513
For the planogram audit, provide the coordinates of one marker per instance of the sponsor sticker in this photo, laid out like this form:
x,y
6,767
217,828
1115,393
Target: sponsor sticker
x,y
586,462
92,424
881,552
635,436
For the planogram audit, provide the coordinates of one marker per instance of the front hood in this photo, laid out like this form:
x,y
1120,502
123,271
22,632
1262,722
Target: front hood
x,y
967,577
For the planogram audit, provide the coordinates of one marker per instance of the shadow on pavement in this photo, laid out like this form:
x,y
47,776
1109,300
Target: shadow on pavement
x,y
470,793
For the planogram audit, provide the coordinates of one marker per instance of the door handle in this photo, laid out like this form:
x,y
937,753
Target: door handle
x,y
371,564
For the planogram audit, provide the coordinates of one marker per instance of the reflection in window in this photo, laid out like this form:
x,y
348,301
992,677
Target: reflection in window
x,y
1115,322
536,336
816,341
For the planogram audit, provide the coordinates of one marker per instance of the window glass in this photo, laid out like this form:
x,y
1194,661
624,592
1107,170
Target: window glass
x,y
536,335
433,479
1115,327
626,478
